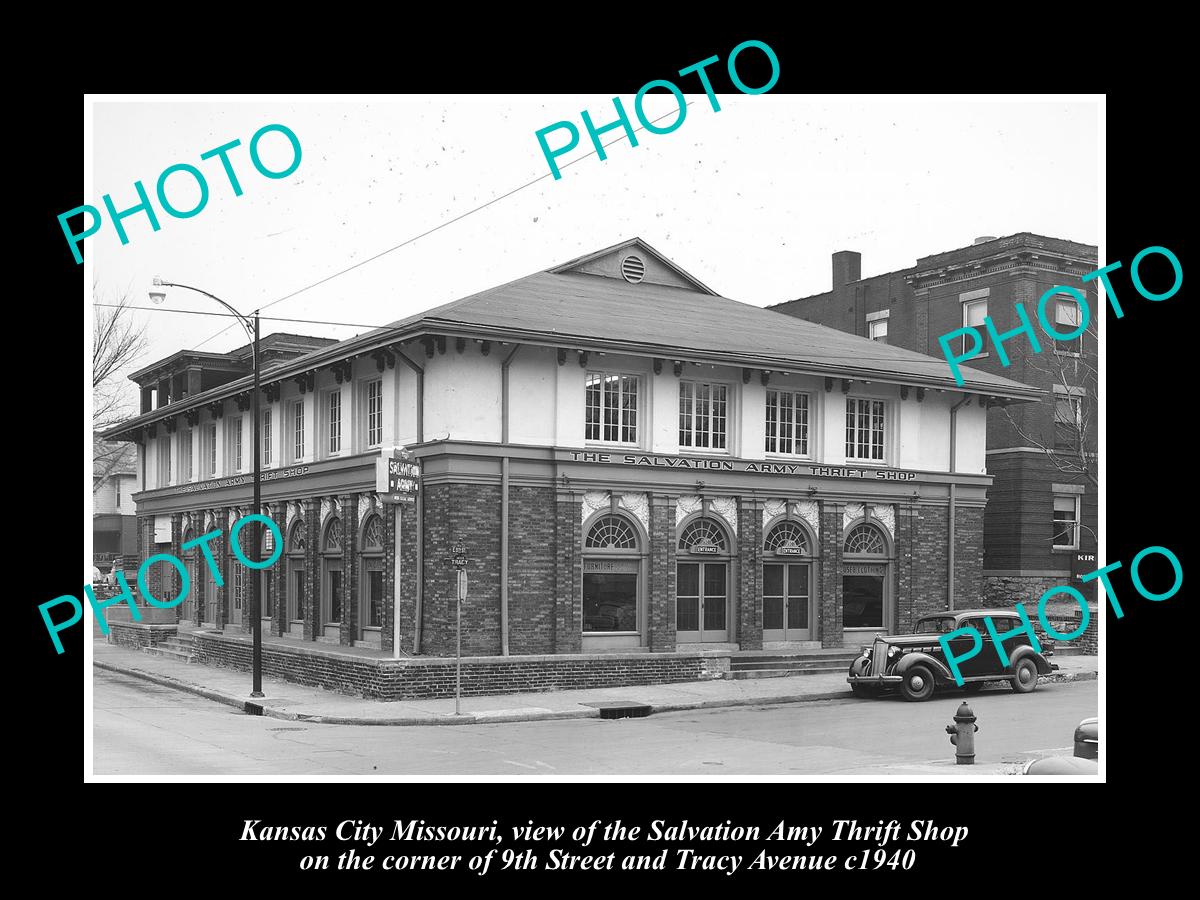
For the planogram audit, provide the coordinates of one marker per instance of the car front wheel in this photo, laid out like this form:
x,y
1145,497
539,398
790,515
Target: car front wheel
x,y
1025,676
917,684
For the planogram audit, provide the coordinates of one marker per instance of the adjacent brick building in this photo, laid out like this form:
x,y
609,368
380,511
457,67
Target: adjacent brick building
x,y
1042,507
633,464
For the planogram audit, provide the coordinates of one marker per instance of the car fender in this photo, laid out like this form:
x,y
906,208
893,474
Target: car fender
x,y
935,665
1020,653
860,666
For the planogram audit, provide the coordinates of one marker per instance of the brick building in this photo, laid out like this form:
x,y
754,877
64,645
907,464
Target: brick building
x,y
638,469
1042,507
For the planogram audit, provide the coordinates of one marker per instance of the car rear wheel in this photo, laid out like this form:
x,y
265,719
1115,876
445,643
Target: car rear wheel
x,y
1025,676
917,684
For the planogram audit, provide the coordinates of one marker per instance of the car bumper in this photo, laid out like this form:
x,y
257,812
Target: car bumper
x,y
874,679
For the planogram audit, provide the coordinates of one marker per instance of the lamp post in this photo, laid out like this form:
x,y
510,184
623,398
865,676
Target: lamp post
x,y
251,325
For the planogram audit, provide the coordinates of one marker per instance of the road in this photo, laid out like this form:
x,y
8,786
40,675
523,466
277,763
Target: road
x,y
144,729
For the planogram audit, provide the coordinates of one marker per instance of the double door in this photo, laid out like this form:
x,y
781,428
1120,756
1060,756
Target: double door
x,y
787,599
701,602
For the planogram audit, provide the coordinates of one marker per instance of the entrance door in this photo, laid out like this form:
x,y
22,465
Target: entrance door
x,y
187,609
237,596
701,602
786,602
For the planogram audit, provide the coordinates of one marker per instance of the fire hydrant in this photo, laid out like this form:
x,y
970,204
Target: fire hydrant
x,y
962,735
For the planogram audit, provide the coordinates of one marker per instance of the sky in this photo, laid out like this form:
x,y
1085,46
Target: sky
x,y
752,200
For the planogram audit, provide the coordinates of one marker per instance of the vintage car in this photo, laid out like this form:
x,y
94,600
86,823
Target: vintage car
x,y
916,664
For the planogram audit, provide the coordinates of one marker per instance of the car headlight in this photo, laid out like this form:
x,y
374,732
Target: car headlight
x,y
893,651
866,652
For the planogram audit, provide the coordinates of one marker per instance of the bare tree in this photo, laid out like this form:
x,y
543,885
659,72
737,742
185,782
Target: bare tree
x,y
1070,443
118,340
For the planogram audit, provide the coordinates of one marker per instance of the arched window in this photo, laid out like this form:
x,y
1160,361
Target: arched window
x,y
613,582
332,582
703,536
787,539
370,615
866,538
297,543
611,533
865,580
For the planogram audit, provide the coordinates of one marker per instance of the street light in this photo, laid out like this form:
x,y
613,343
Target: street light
x,y
251,325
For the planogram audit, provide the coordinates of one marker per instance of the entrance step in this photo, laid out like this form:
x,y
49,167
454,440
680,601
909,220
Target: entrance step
x,y
767,665
186,656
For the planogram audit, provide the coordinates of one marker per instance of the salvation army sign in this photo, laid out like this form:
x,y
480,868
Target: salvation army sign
x,y
658,461
398,476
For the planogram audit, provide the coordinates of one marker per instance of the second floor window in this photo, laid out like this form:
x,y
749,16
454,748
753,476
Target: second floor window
x,y
335,422
235,443
374,413
877,330
703,414
164,460
864,429
1068,422
298,429
266,437
611,408
212,450
787,423
185,455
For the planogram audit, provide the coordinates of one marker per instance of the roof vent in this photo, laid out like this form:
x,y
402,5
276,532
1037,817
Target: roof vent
x,y
633,269
985,239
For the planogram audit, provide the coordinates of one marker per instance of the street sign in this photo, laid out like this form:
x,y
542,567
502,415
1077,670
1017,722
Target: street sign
x,y
458,562
458,550
398,477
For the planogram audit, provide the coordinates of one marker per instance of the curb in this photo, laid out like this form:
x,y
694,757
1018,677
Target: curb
x,y
260,709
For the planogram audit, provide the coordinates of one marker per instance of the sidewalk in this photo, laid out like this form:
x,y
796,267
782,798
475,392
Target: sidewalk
x,y
284,700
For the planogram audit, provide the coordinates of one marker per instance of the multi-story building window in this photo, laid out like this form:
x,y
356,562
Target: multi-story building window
x,y
235,442
877,325
1066,522
1068,421
1066,320
973,312
185,455
787,423
164,461
864,429
266,437
374,413
611,408
703,415
211,441
298,429
333,421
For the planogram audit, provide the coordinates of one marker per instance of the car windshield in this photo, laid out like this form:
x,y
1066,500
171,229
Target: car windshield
x,y
935,625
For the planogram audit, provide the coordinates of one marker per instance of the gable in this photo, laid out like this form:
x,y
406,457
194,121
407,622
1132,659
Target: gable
x,y
655,268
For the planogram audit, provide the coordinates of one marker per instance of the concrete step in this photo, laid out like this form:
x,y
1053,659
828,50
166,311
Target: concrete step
x,y
784,673
798,663
181,655
1067,651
